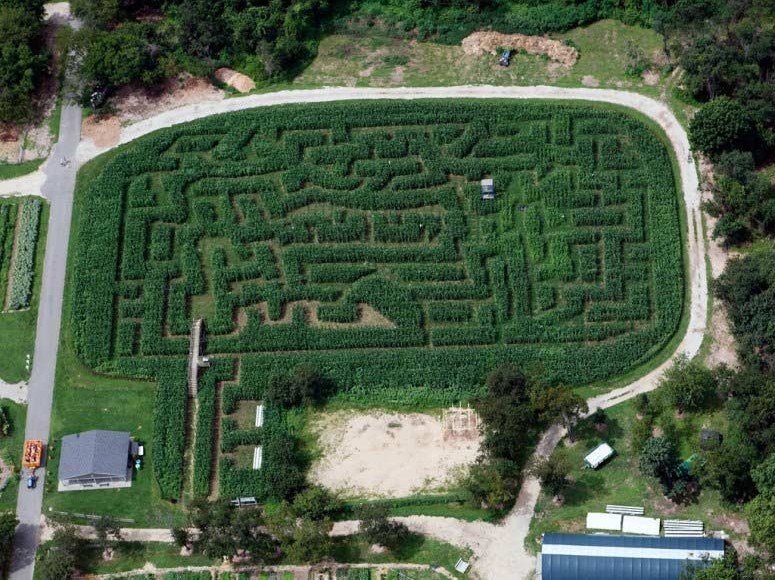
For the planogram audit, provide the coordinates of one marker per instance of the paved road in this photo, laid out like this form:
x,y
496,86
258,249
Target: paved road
x,y
58,188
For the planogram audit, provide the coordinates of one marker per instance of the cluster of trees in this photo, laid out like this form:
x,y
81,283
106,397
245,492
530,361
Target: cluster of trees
x,y
144,40
514,408
727,51
23,58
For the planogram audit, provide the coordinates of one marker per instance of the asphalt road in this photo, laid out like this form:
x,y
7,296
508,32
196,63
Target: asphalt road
x,y
58,188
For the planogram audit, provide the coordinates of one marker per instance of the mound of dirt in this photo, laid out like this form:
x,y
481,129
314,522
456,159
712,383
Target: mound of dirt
x,y
236,80
481,42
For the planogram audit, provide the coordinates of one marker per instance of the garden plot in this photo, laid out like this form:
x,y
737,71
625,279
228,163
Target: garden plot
x,y
389,454
353,238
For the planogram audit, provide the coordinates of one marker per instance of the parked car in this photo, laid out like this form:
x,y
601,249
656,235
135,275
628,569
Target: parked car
x,y
31,481
505,58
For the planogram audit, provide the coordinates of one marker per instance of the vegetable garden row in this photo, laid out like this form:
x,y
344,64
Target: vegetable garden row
x,y
280,225
19,228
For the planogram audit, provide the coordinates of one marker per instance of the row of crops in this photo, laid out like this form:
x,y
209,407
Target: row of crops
x,y
352,237
19,228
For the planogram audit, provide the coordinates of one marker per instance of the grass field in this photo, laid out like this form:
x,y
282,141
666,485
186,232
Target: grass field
x,y
619,481
17,328
12,170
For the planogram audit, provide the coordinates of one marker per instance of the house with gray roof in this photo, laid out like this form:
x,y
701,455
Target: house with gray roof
x,y
96,459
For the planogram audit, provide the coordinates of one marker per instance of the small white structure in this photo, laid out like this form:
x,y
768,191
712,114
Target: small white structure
x,y
625,510
461,566
260,415
600,521
598,455
641,525
488,189
257,457
684,529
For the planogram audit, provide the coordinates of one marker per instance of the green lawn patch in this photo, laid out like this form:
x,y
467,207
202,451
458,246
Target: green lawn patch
x,y
619,480
12,170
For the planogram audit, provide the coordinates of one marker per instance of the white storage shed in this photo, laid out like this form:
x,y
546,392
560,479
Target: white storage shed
x,y
601,521
598,455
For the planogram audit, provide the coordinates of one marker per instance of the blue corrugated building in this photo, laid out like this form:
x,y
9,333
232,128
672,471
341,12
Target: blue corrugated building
x,y
596,556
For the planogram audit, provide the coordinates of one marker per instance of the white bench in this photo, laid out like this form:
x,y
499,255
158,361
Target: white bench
x,y
625,510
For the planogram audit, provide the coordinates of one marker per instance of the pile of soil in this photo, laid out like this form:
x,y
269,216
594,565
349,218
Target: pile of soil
x,y
478,43
236,80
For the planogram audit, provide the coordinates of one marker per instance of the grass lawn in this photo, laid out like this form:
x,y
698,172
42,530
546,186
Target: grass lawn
x,y
11,170
133,555
619,480
416,550
11,448
378,60
17,329
85,400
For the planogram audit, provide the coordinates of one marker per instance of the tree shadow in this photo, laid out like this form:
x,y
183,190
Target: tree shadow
x,y
590,484
591,435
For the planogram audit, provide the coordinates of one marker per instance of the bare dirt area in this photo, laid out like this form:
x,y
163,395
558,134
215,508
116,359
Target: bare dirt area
x,y
482,42
722,349
133,104
236,80
380,454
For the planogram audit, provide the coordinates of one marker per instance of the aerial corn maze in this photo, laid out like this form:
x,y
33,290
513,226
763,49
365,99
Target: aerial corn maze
x,y
353,238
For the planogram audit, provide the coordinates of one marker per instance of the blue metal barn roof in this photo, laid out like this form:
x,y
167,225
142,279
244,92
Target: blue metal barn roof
x,y
581,557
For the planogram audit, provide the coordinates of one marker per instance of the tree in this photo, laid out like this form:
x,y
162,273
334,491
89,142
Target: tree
x,y
552,472
57,560
303,387
761,519
560,403
722,125
98,13
119,57
725,568
492,482
22,58
302,539
728,468
8,523
225,530
689,385
659,458
316,503
763,475
107,529
507,413
181,537
378,529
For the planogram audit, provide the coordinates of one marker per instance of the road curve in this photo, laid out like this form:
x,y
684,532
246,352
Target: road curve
x,y
504,555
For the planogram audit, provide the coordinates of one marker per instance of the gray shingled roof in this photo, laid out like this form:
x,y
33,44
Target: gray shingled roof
x,y
94,452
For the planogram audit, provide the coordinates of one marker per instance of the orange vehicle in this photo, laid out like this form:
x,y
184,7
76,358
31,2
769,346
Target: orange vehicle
x,y
33,451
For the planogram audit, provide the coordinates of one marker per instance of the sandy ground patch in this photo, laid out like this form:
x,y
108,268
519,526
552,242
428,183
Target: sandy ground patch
x,y
133,104
103,131
723,349
482,42
590,81
650,78
243,83
380,454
